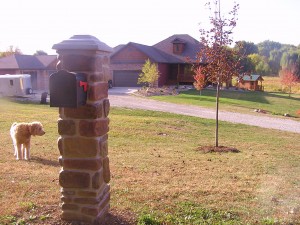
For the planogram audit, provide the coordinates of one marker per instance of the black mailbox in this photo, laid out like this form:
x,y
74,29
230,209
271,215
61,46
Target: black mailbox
x,y
67,89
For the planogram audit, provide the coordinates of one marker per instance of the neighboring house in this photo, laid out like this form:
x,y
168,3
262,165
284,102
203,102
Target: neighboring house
x,y
251,82
173,57
39,67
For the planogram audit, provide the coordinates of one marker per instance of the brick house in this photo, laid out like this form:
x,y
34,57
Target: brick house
x,y
171,56
39,67
251,82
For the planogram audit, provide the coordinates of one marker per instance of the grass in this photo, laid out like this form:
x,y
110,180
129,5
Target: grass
x,y
158,176
273,84
274,103
274,100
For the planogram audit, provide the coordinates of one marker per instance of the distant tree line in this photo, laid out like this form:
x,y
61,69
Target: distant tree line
x,y
269,57
11,50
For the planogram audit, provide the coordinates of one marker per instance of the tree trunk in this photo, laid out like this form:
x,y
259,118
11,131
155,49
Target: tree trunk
x,y
217,114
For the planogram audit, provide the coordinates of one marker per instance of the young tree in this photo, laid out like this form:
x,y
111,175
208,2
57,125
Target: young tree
x,y
289,79
200,79
149,74
221,63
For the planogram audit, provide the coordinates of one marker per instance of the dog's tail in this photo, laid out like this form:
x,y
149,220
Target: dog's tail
x,y
14,124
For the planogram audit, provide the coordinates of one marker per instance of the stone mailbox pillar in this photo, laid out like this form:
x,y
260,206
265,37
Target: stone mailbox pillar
x,y
85,175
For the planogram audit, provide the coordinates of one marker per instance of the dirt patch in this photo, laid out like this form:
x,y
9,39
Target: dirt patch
x,y
50,215
220,149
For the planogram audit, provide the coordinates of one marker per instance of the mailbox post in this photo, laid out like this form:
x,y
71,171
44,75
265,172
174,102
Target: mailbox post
x,y
80,90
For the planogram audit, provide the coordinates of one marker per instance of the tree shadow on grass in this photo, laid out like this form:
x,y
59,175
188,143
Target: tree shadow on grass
x,y
253,96
219,149
24,100
230,94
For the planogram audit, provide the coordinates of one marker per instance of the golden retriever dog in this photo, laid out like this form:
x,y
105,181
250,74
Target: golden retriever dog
x,y
21,134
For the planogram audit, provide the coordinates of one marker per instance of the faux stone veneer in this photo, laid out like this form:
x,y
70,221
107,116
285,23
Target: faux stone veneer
x,y
85,174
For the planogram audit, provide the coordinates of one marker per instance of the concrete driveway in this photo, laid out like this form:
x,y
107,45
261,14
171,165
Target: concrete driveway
x,y
122,97
122,90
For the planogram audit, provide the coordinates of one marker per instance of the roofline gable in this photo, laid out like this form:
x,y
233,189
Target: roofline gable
x,y
26,62
162,52
178,41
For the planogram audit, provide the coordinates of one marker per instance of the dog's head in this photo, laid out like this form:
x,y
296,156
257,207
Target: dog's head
x,y
36,128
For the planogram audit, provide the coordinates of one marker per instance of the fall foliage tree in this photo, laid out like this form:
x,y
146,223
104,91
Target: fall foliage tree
x,y
289,79
220,62
149,74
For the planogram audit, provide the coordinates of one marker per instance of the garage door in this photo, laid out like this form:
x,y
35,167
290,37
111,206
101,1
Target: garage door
x,y
126,78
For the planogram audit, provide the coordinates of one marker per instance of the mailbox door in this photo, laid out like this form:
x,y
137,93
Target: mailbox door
x,y
65,90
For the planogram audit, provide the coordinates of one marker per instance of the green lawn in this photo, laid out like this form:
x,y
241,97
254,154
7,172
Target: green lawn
x,y
158,176
239,101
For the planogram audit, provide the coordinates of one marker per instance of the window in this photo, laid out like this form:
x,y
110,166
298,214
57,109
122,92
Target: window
x,y
176,48
11,82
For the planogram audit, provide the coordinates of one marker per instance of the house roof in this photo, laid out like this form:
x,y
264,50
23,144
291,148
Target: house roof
x,y
162,52
252,77
26,62
46,60
179,41
155,54
117,48
191,48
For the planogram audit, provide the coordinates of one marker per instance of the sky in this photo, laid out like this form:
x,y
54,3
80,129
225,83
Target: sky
x,y
33,25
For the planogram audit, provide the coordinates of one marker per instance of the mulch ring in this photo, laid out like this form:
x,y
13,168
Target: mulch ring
x,y
166,90
219,149
157,91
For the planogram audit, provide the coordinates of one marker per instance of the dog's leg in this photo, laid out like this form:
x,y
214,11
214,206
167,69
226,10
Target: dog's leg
x,y
14,144
19,154
15,149
26,149
23,151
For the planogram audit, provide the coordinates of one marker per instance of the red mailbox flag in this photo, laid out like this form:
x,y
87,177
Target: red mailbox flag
x,y
84,84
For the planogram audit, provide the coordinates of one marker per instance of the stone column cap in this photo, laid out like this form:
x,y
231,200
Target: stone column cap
x,y
82,42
